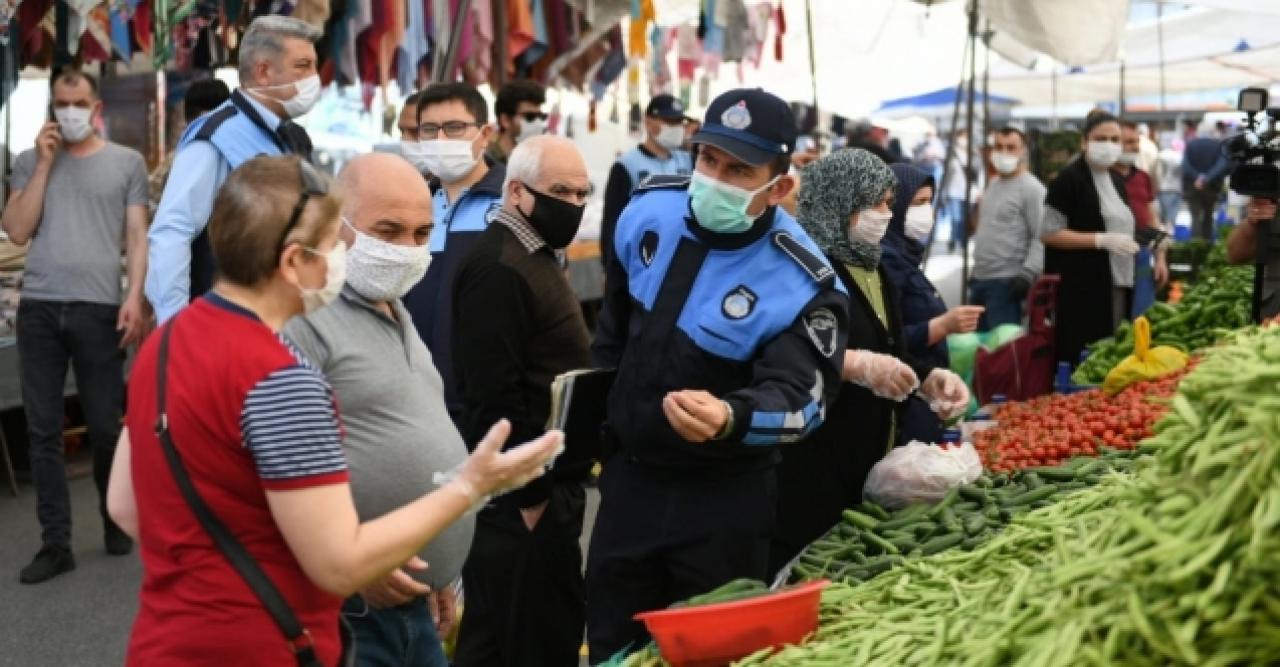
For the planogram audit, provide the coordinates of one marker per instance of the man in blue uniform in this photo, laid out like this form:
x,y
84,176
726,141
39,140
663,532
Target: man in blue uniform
x,y
727,330
278,82
453,134
661,154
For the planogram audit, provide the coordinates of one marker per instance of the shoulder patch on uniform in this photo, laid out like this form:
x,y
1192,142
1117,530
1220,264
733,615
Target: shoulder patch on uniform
x,y
821,325
815,266
738,303
214,121
648,247
663,182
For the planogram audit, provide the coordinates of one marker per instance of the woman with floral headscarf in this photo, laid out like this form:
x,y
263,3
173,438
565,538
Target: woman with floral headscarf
x,y
844,205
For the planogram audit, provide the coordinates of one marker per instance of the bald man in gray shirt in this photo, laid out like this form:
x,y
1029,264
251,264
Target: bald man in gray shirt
x,y
398,435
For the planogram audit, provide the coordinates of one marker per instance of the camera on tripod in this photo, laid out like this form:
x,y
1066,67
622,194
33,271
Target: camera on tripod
x,y
1256,150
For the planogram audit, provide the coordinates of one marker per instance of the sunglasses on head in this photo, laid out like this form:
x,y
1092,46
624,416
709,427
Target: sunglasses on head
x,y
313,185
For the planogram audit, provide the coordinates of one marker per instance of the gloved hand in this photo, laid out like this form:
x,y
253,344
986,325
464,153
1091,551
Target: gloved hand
x,y
1120,244
884,375
947,394
489,471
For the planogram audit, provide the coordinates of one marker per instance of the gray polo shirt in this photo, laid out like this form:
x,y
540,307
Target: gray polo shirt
x,y
1007,244
391,398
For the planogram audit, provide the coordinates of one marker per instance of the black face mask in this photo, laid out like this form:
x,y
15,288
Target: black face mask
x,y
555,220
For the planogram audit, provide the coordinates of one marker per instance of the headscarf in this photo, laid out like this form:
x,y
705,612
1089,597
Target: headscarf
x,y
910,180
832,189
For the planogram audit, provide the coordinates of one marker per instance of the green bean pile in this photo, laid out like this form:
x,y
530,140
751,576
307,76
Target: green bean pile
x,y
1174,564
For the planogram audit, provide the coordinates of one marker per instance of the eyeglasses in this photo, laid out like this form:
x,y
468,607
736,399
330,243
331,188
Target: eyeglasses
x,y
313,185
454,129
531,116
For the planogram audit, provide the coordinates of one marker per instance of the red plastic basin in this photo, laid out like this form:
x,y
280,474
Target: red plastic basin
x,y
717,634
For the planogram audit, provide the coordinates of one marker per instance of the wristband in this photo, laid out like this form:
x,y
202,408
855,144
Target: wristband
x,y
728,422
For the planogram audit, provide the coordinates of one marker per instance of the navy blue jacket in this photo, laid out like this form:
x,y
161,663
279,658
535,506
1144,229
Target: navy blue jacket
x,y
756,319
430,302
1203,157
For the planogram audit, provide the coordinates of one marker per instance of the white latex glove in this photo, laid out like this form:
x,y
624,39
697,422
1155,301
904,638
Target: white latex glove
x,y
884,375
1120,244
490,471
947,394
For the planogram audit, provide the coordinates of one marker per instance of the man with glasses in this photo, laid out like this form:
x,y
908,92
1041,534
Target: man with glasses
x,y
661,154
278,82
453,133
517,325
518,110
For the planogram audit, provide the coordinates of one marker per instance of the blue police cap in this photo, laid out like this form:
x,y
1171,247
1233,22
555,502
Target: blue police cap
x,y
749,124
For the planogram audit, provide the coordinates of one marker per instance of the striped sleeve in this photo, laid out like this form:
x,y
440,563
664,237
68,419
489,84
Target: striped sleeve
x,y
290,426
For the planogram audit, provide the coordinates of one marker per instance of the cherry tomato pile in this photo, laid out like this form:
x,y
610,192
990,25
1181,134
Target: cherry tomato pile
x,y
1048,430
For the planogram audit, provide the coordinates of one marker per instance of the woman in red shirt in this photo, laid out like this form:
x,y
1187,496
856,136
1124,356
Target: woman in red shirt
x,y
257,431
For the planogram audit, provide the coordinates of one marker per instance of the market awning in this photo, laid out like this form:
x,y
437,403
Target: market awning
x,y
936,103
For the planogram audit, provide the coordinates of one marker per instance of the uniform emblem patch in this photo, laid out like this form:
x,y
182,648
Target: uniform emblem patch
x,y
648,248
821,325
738,303
736,117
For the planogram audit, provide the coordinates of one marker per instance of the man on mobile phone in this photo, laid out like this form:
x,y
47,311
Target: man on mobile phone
x,y
81,201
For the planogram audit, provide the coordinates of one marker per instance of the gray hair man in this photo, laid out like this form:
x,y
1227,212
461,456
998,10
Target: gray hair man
x,y
517,325
398,433
278,82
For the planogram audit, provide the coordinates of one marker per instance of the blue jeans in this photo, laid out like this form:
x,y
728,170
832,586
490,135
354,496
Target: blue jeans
x,y
1003,305
402,636
1169,204
956,214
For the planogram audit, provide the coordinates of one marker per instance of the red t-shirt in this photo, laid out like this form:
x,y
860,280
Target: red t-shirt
x,y
247,414
1137,186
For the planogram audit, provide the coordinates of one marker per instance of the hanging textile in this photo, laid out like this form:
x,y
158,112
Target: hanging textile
x,y
478,69
781,18
758,19
95,41
615,61
314,12
520,30
736,29
331,45
142,22
414,48
121,39
713,36
642,16
541,41
359,19
660,43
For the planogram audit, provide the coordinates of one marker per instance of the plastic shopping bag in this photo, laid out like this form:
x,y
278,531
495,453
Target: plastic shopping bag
x,y
920,473
1146,362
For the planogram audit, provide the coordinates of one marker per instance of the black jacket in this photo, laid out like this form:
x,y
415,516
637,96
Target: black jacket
x,y
1084,295
823,475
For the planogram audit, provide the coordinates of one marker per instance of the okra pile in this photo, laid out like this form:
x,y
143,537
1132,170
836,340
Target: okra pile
x,y
870,540
1214,305
1175,563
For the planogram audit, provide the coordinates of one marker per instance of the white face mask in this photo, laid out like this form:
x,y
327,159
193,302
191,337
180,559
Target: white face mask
x,y
449,159
670,137
315,298
1005,163
530,129
919,221
382,271
1102,154
74,122
306,94
870,227
416,154
1127,158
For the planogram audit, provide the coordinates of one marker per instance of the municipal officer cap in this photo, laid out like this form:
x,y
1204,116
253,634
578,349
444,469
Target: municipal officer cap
x,y
749,124
666,107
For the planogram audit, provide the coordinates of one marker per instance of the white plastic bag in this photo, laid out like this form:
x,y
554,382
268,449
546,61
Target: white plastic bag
x,y
920,473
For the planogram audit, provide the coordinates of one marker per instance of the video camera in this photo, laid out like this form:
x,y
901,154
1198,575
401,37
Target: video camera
x,y
1256,150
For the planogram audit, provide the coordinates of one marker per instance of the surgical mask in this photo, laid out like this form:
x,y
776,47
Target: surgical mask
x,y
449,159
315,298
1127,158
870,227
720,207
1102,154
670,137
555,220
1005,163
530,129
415,153
382,271
306,94
919,221
74,123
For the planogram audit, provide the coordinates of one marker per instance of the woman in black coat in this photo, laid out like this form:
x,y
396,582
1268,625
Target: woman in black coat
x,y
844,206
1088,240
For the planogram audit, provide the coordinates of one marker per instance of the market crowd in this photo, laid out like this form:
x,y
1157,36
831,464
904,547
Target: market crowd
x,y
339,423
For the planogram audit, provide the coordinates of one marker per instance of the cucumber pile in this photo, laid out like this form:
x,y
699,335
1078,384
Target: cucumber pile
x,y
871,540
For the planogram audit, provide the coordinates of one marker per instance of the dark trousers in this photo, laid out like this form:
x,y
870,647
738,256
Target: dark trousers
x,y
1202,204
403,636
660,539
51,335
523,591
1002,302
